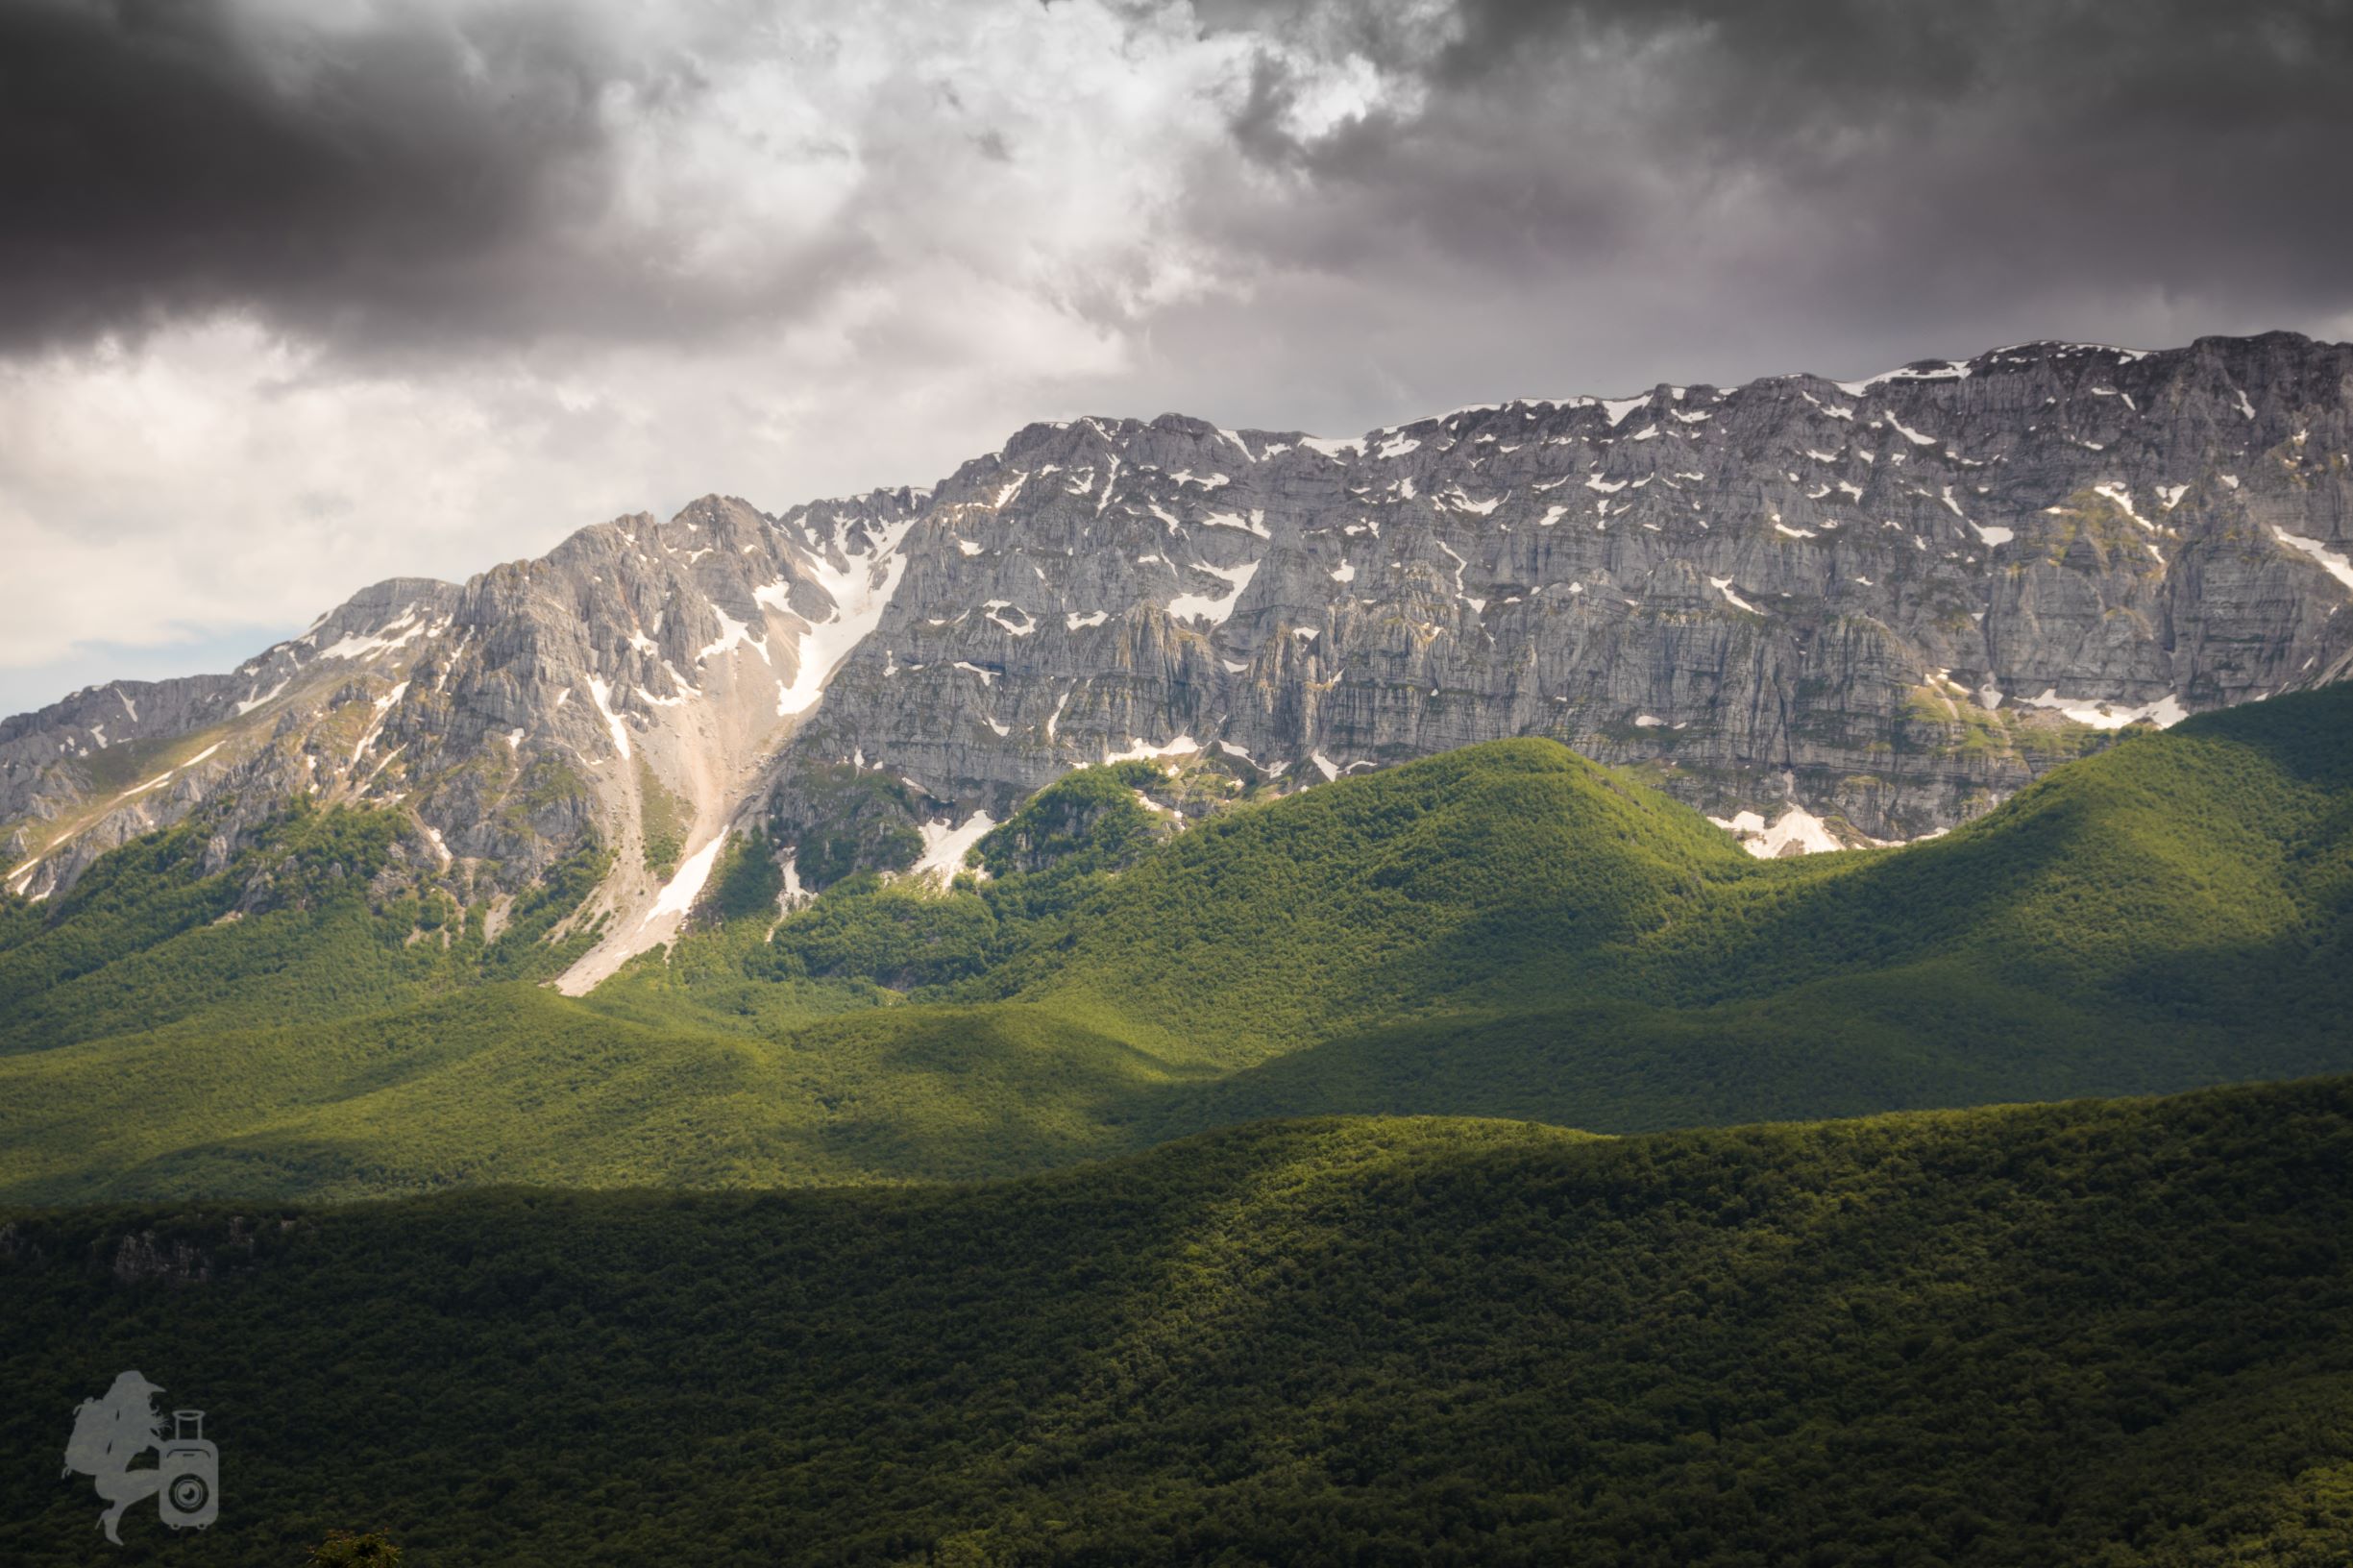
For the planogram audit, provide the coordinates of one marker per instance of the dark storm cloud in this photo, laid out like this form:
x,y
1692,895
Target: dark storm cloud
x,y
411,173
1868,155
156,158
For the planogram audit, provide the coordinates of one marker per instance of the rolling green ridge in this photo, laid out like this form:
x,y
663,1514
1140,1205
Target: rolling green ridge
x,y
1505,931
2115,1333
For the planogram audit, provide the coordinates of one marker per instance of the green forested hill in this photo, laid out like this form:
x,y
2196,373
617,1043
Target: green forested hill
x,y
1404,892
1505,931
290,929
2201,878
2117,1333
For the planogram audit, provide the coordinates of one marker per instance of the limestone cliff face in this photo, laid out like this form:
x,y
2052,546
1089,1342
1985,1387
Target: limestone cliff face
x,y
1819,611
1889,601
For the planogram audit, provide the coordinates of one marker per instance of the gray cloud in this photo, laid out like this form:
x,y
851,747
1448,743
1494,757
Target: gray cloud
x,y
1843,159
450,174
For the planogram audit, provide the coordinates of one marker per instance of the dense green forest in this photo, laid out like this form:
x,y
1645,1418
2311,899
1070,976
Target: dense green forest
x,y
1503,931
2115,1333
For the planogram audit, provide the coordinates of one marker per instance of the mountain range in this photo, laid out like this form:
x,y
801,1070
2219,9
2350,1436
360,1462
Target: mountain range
x,y
1824,612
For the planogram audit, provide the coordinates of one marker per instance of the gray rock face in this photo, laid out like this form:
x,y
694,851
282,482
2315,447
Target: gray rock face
x,y
1886,604
1890,602
114,761
510,715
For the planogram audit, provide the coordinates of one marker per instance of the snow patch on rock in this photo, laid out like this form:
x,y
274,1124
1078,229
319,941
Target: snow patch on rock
x,y
2110,714
1797,832
945,844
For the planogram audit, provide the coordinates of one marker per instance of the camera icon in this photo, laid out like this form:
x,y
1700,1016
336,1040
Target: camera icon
x,y
190,1471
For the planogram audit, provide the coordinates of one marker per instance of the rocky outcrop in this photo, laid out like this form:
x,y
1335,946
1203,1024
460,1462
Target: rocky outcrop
x,y
1884,604
142,1258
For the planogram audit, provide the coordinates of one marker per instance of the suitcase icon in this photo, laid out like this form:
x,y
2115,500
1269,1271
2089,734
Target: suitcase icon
x,y
191,1467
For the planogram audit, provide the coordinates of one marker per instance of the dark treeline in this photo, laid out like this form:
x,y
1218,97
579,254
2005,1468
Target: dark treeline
x,y
2115,1333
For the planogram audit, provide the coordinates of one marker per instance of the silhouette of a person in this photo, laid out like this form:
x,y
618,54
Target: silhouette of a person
x,y
108,1433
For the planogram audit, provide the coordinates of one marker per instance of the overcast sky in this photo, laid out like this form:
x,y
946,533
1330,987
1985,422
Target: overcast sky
x,y
298,294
